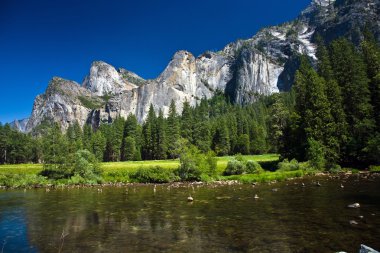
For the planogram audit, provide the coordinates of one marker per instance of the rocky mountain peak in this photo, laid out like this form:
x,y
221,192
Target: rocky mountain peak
x,y
103,79
61,86
323,2
180,72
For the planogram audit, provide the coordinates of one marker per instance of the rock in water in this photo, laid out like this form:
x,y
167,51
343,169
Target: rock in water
x,y
353,222
366,249
354,205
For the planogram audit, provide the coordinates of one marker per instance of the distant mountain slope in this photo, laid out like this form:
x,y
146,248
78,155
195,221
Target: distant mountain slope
x,y
263,64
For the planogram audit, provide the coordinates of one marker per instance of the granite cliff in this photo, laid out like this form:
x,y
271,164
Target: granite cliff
x,y
263,64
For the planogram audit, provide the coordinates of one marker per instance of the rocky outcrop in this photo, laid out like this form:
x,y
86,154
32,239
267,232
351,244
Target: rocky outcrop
x,y
20,125
104,80
64,102
263,64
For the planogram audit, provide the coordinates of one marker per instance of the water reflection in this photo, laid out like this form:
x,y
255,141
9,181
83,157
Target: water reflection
x,y
221,219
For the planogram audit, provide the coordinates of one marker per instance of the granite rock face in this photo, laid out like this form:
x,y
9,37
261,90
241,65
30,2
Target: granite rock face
x,y
62,103
263,64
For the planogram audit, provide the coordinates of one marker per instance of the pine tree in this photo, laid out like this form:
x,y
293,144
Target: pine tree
x,y
86,138
149,135
257,135
202,136
98,144
312,109
232,126
371,56
336,134
130,149
243,146
173,130
221,142
74,137
118,131
160,140
350,72
187,122
279,115
132,130
55,149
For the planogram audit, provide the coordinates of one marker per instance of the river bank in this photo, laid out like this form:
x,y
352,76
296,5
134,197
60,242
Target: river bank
x,y
270,178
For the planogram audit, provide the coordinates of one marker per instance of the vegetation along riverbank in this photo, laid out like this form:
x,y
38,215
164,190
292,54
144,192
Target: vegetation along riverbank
x,y
232,169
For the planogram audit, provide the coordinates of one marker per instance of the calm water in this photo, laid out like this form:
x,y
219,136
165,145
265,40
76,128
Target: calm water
x,y
221,219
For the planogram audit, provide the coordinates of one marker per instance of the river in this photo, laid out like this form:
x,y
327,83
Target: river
x,y
287,217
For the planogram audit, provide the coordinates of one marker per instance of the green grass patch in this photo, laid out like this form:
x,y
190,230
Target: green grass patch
x,y
374,168
21,168
26,175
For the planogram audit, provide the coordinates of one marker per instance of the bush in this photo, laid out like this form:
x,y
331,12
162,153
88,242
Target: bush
x,y
193,164
22,180
285,165
316,154
239,165
86,166
335,168
253,167
154,174
235,167
374,168
82,164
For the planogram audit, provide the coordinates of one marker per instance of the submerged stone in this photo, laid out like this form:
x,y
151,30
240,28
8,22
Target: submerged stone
x,y
366,249
354,205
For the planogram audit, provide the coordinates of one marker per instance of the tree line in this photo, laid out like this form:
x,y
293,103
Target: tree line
x,y
335,118
212,125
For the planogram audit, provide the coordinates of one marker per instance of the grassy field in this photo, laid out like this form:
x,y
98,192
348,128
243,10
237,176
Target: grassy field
x,y
24,175
112,167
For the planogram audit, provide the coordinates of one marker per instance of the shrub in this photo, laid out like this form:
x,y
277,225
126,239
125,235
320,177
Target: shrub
x,y
253,167
335,168
22,180
239,165
193,163
316,154
86,166
154,174
374,168
82,164
288,166
235,167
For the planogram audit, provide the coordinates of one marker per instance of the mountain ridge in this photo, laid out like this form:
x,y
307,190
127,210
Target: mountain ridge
x,y
261,65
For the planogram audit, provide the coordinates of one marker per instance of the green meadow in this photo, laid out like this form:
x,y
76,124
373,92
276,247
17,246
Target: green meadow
x,y
25,175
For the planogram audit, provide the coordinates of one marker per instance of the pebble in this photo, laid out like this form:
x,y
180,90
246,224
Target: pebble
x,y
353,222
354,205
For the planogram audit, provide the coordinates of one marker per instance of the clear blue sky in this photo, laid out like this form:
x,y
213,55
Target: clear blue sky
x,y
40,39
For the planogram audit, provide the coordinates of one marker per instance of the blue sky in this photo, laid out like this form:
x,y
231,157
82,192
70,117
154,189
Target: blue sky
x,y
40,39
